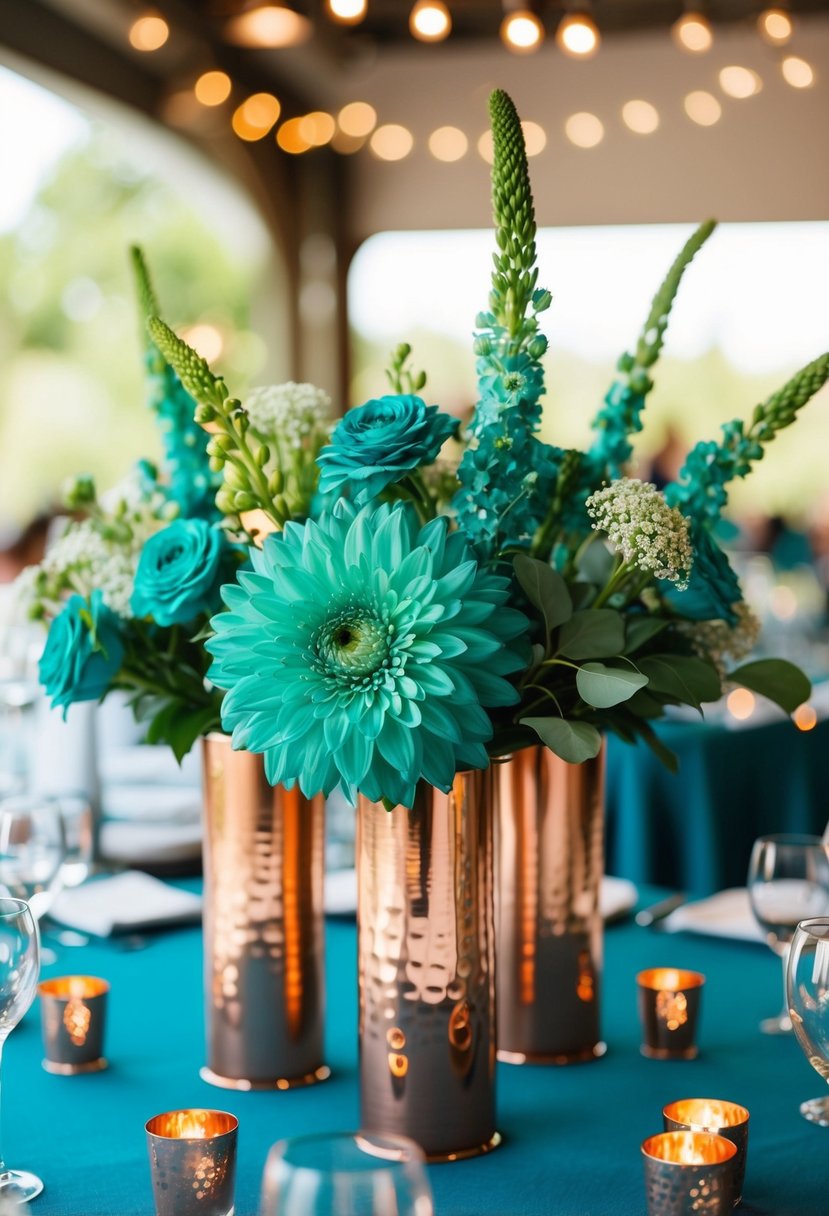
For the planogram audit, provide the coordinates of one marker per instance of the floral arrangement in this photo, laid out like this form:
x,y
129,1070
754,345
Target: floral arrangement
x,y
395,621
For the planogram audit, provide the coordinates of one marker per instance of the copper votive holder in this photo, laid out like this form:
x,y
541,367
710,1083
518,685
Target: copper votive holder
x,y
689,1174
669,1000
193,1162
72,1020
727,1119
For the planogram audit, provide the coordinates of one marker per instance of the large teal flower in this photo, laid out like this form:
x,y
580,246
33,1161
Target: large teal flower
x,y
363,651
380,442
83,651
179,572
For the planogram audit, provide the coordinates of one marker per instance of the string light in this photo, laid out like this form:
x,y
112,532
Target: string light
x,y
268,25
703,108
254,118
448,144
578,36
212,88
640,117
149,32
739,82
584,130
692,32
430,21
289,137
797,72
348,12
357,119
391,142
775,26
522,32
535,138
317,128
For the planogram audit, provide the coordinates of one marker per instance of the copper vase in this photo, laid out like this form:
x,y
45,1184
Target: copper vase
x,y
426,960
549,834
263,926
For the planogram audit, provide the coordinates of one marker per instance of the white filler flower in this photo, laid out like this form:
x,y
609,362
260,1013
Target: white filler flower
x,y
292,413
642,527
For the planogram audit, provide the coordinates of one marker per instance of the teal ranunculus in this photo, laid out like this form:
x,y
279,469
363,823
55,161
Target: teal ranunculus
x,y
380,442
83,651
362,651
178,573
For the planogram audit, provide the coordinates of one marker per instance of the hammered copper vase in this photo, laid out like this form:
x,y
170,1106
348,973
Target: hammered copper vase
x,y
549,861
426,961
263,926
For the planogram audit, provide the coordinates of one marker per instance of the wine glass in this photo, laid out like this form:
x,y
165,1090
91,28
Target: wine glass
x,y
807,985
788,881
346,1174
19,967
32,850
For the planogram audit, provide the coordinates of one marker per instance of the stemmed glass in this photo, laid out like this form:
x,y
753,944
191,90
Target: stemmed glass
x,y
32,850
788,881
19,967
807,985
346,1174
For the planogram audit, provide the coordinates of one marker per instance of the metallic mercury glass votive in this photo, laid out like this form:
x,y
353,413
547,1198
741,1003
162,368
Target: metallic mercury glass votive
x,y
689,1174
727,1119
72,1019
669,1000
193,1162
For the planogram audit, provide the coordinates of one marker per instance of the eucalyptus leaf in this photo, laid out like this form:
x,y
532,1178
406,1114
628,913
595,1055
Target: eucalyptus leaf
x,y
595,633
575,742
681,676
597,562
604,687
545,589
582,594
640,629
663,753
776,679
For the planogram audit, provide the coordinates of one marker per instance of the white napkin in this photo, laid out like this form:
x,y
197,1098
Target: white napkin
x,y
125,903
617,895
726,914
127,842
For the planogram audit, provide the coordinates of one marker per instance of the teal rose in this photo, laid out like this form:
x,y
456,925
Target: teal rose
x,y
83,652
179,572
379,443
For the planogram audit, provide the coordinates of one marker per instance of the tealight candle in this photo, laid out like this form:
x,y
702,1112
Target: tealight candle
x,y
72,1020
688,1174
193,1162
669,1000
727,1119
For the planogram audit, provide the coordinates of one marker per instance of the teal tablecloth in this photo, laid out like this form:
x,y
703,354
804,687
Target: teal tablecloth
x,y
694,831
571,1135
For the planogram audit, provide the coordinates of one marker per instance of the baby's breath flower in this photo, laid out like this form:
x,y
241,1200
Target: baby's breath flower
x,y
717,641
643,528
84,559
293,413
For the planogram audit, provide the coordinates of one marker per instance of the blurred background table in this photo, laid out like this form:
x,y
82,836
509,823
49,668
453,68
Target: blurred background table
x,y
694,830
571,1135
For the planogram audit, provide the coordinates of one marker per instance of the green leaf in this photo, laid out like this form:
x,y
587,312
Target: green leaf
x,y
688,679
640,629
776,679
179,726
663,753
595,633
597,562
545,589
573,741
645,705
603,686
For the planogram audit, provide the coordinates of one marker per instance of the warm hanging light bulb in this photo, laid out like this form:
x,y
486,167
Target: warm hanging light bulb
x,y
268,25
347,12
692,32
578,35
775,26
430,21
149,32
521,31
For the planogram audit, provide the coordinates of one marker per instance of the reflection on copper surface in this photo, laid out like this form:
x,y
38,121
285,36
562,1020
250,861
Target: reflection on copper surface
x,y
689,1148
263,921
76,1019
549,822
194,1124
669,979
192,1162
672,1008
73,986
727,1119
73,1016
426,950
669,1003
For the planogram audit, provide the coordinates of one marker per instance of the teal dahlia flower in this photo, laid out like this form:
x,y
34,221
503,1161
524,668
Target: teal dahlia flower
x,y
364,651
381,442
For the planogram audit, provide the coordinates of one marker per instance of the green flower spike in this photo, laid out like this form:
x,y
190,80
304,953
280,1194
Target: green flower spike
x,y
144,289
209,390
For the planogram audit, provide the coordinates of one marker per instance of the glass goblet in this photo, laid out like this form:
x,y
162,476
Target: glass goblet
x,y
19,968
345,1174
807,985
32,850
788,881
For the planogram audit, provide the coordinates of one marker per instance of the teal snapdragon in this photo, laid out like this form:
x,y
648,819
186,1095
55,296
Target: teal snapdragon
x,y
364,650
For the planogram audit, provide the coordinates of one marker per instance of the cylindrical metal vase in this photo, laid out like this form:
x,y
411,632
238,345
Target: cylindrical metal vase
x,y
427,977
263,926
549,860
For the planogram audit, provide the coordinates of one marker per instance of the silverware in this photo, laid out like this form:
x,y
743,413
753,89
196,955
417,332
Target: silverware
x,y
652,915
